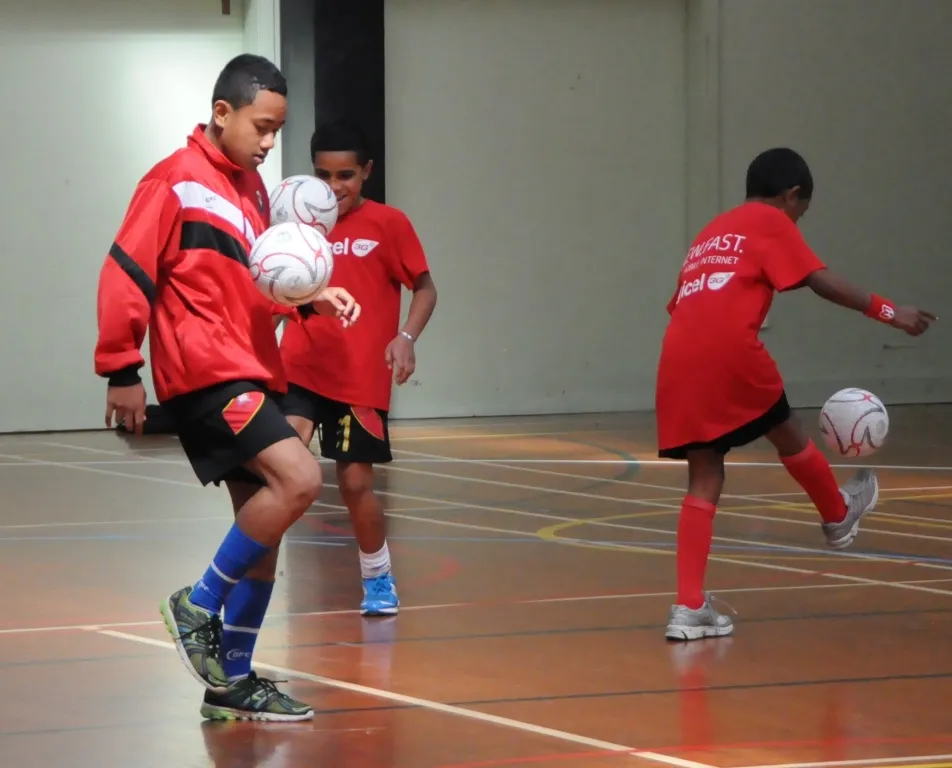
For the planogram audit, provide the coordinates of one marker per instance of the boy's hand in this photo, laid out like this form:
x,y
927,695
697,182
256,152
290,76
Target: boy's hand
x,y
401,359
127,404
336,302
912,320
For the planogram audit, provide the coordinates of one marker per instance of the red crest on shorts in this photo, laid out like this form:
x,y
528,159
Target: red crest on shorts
x,y
370,420
242,409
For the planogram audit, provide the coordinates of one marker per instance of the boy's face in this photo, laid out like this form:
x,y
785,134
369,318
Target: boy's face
x,y
249,133
345,176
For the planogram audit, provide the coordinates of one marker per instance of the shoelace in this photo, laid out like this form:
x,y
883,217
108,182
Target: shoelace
x,y
714,598
208,634
379,586
270,687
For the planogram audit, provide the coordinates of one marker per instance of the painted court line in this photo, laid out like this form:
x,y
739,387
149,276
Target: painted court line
x,y
513,465
772,500
446,709
726,511
648,462
326,510
576,521
474,604
921,761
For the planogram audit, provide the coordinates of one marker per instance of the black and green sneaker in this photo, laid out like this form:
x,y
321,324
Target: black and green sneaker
x,y
197,635
254,698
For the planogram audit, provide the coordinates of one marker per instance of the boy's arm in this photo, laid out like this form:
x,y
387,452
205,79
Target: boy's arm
x,y
838,290
126,291
421,306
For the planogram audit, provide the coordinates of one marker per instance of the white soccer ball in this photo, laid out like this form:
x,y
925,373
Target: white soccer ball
x,y
854,422
291,263
305,199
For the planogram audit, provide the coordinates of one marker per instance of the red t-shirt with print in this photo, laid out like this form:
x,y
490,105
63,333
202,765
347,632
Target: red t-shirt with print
x,y
715,375
376,252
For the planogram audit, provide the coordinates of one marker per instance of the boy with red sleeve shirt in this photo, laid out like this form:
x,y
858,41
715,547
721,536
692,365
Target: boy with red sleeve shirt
x,y
340,381
718,388
179,268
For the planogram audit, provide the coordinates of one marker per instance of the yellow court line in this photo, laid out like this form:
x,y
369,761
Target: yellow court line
x,y
897,519
551,533
807,508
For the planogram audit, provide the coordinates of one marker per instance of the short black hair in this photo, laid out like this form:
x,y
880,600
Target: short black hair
x,y
777,170
342,135
245,75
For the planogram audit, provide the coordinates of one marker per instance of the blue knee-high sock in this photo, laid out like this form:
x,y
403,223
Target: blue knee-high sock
x,y
235,556
245,608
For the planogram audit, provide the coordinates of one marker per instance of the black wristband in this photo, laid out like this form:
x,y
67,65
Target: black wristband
x,y
125,377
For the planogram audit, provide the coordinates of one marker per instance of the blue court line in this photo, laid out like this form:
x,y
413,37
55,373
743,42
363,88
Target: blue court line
x,y
344,541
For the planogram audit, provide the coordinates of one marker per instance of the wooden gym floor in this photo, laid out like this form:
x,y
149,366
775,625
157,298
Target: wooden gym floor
x,y
534,557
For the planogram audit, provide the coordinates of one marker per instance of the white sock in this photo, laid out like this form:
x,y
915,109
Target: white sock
x,y
377,564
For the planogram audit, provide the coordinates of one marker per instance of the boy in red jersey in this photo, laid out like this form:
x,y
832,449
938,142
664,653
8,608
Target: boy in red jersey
x,y
718,388
179,267
341,382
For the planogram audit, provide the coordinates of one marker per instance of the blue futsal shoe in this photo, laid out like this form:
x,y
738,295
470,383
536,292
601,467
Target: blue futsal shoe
x,y
380,596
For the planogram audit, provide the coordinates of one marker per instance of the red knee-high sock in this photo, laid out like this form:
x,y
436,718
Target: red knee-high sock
x,y
812,471
695,530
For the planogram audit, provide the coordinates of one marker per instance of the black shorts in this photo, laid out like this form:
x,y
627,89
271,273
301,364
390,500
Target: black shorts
x,y
347,433
752,430
224,426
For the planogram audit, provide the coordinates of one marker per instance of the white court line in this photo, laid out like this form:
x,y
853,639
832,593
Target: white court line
x,y
446,709
512,465
717,558
70,446
654,502
329,509
559,518
469,605
674,507
681,465
27,462
868,761
500,435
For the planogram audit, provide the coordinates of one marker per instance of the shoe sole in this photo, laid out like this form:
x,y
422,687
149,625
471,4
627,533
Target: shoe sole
x,y
849,538
380,611
165,609
696,633
224,713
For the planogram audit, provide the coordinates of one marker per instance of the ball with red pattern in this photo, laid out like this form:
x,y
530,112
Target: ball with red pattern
x,y
291,263
854,422
305,199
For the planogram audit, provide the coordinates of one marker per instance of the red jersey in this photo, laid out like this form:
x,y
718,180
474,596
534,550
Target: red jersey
x,y
179,267
376,251
715,374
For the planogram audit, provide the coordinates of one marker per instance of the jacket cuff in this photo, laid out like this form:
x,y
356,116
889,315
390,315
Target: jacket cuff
x,y
125,377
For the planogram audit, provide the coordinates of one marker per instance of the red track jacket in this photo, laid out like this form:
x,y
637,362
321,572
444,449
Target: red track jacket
x,y
179,267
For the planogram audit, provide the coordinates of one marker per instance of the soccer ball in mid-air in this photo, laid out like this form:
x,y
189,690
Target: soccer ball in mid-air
x,y
854,422
291,263
305,199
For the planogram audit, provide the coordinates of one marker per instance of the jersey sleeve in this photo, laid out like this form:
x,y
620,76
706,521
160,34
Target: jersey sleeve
x,y
407,258
127,280
787,259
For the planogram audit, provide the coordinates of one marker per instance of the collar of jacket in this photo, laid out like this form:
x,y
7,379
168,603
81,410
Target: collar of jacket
x,y
216,157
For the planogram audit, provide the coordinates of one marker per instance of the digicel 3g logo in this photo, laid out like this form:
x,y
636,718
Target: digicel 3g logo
x,y
713,282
